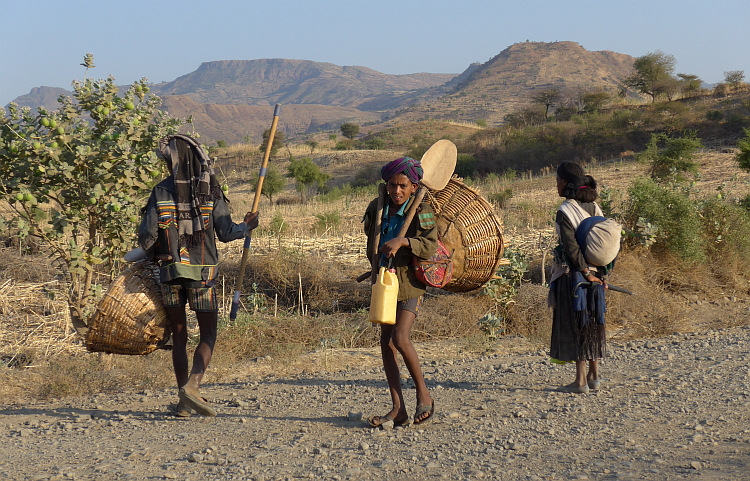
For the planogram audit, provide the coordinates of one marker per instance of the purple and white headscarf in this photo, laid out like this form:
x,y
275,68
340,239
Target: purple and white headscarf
x,y
411,168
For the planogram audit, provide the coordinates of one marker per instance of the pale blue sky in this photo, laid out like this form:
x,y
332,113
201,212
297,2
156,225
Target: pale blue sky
x,y
43,41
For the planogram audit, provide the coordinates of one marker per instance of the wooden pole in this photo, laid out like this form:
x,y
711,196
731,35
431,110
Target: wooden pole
x,y
256,202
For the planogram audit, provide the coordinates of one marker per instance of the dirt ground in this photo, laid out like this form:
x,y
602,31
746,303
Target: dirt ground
x,y
676,407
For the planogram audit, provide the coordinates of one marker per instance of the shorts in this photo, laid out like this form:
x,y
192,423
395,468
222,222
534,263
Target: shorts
x,y
178,293
411,305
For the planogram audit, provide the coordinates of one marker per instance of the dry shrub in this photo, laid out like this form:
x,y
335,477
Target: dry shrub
x,y
326,286
529,315
26,268
86,374
449,315
657,308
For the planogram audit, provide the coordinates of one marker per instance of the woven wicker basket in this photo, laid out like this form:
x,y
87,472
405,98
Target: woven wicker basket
x,y
130,318
470,229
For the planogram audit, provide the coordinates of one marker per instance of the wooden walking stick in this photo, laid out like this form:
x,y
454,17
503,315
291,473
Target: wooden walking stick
x,y
256,201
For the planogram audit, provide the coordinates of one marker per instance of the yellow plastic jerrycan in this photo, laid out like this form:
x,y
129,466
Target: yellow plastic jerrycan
x,y
384,297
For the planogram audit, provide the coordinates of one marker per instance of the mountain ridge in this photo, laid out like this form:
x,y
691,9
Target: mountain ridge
x,y
218,91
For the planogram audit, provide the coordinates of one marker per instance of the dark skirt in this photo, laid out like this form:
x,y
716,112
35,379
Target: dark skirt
x,y
571,339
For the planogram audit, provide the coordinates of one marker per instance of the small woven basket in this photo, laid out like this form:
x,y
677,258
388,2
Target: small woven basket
x,y
469,228
130,318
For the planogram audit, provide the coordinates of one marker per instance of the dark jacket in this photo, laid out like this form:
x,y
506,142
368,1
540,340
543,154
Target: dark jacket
x,y
158,234
423,242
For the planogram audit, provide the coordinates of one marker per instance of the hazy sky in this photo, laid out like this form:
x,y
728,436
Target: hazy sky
x,y
43,41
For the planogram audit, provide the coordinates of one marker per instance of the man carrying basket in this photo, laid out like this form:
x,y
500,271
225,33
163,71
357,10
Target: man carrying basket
x,y
184,215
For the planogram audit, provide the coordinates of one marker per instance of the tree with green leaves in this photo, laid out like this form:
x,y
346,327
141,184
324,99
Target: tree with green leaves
x,y
652,74
278,141
307,175
547,98
672,157
273,183
595,101
312,144
76,177
734,78
690,84
743,157
349,130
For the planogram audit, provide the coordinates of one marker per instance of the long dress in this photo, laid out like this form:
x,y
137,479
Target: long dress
x,y
576,335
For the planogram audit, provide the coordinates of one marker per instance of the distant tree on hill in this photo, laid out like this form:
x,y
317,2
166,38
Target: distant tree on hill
x,y
312,144
349,130
278,141
548,98
691,84
652,75
594,101
734,78
307,174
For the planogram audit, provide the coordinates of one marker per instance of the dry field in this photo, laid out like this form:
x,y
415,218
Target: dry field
x,y
317,294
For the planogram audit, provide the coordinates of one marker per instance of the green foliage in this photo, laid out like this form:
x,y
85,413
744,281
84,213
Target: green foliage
x,y
503,289
466,165
222,144
273,183
669,214
327,221
307,175
743,157
375,143
312,144
278,141
672,157
714,116
653,73
734,78
501,198
344,145
491,325
77,177
277,225
481,122
726,229
349,130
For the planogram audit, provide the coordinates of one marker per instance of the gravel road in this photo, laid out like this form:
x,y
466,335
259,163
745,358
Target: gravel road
x,y
676,407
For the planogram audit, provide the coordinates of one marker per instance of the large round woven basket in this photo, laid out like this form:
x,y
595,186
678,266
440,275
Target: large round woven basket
x,y
470,230
130,318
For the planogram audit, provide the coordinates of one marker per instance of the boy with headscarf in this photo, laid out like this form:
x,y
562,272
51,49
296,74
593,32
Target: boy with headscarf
x,y
184,215
402,178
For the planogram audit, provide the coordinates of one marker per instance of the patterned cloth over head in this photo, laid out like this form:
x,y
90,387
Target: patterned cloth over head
x,y
411,168
193,175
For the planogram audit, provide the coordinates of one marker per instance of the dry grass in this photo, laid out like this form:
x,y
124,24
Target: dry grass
x,y
300,297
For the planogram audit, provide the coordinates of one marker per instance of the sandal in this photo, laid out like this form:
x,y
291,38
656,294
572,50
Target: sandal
x,y
378,421
428,409
196,403
182,410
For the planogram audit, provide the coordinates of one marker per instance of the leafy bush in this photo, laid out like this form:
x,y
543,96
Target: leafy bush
x,y
669,209
671,157
76,177
714,116
743,157
327,221
501,198
466,165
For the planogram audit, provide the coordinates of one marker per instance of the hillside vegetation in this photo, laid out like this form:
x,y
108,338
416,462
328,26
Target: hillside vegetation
x,y
668,171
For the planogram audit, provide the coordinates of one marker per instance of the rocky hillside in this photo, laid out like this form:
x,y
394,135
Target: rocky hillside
x,y
224,94
271,81
506,82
